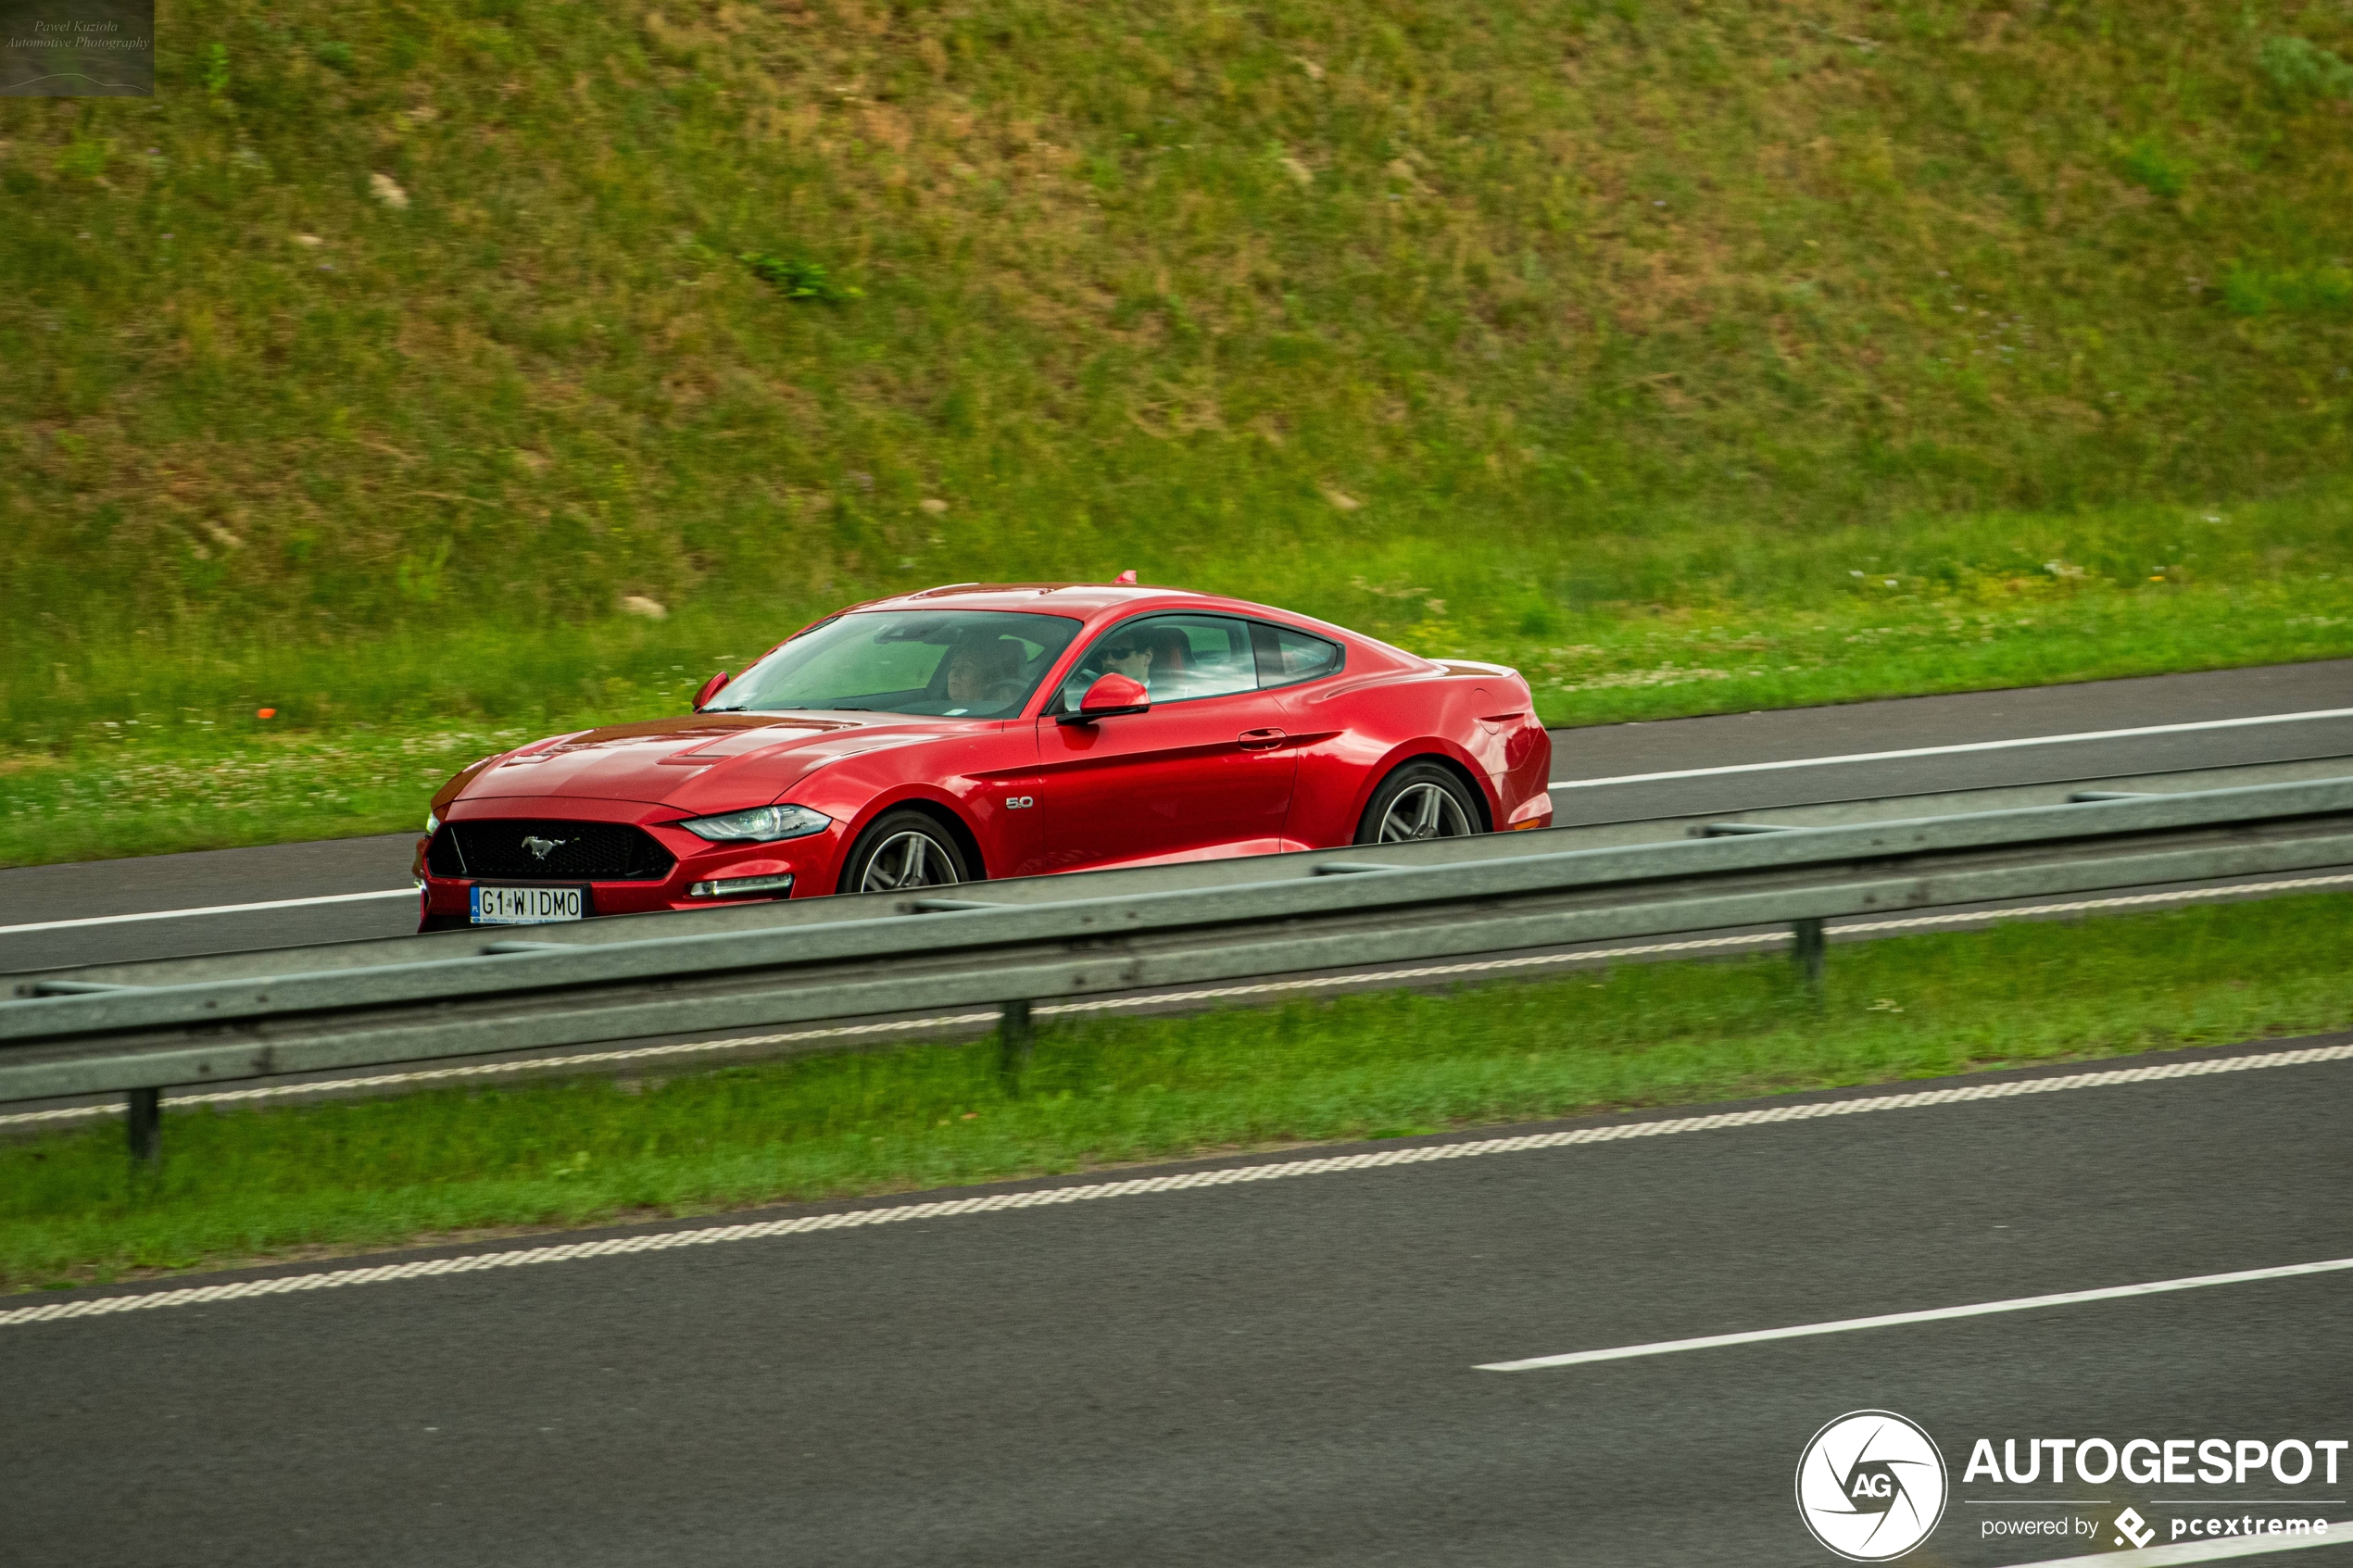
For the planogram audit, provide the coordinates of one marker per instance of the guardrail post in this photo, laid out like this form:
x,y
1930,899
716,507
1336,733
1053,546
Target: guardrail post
x,y
1013,1037
143,1119
1807,951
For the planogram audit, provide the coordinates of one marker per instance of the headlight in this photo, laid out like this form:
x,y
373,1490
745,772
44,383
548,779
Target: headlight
x,y
762,824
432,824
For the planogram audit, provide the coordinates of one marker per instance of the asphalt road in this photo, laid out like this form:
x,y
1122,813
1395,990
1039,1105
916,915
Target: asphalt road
x,y
36,896
1283,1372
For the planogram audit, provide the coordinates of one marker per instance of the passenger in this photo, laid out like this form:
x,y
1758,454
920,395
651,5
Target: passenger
x,y
984,672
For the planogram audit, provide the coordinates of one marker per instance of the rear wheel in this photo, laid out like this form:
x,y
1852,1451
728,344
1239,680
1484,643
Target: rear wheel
x,y
1419,801
905,850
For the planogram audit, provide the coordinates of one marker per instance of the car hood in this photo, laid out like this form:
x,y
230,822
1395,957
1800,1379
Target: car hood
x,y
704,762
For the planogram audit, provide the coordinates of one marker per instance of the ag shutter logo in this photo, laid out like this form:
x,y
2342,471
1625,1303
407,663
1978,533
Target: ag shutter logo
x,y
1871,1485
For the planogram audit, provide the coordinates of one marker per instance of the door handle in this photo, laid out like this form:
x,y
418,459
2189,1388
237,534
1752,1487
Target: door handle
x,y
1260,740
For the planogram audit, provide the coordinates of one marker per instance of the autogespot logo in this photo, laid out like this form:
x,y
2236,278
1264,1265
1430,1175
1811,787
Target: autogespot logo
x,y
1871,1485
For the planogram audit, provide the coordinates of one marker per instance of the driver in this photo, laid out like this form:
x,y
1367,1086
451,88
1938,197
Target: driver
x,y
1129,654
1153,656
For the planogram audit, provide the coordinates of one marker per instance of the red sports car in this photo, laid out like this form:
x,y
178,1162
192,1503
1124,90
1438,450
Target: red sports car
x,y
990,730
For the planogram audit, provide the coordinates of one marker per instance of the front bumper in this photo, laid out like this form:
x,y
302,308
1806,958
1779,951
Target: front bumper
x,y
702,874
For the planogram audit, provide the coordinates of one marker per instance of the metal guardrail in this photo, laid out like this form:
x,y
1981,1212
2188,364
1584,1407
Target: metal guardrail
x,y
89,1038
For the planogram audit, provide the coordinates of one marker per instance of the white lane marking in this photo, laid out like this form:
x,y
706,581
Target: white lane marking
x,y
1955,750
1221,993
209,909
1556,783
1420,1154
1930,1314
2203,1551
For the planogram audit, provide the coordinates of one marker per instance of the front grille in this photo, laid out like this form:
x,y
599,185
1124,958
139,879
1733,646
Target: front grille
x,y
579,852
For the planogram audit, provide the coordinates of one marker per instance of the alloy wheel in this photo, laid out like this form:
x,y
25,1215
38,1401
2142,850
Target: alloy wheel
x,y
1424,810
904,860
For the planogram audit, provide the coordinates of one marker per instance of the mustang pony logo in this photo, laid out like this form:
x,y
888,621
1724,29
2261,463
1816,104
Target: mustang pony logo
x,y
542,848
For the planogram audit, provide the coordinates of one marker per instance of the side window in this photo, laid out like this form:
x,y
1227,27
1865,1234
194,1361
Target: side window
x,y
1287,657
1176,657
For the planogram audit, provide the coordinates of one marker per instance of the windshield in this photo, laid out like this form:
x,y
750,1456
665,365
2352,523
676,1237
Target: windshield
x,y
971,664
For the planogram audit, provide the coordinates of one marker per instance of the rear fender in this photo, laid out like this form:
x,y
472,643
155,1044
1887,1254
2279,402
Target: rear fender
x,y
1437,750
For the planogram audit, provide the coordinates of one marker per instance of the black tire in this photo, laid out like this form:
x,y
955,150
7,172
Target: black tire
x,y
879,862
1420,800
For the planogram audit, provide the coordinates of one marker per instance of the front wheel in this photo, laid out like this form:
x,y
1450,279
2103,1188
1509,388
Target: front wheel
x,y
905,850
1419,801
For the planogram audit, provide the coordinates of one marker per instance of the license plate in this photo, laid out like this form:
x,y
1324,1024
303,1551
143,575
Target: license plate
x,y
526,905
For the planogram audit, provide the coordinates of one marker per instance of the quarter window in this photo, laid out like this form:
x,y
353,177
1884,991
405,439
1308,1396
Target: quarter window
x,y
1287,657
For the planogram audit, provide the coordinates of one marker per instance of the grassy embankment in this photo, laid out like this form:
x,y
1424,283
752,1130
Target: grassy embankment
x,y
293,1181
1692,359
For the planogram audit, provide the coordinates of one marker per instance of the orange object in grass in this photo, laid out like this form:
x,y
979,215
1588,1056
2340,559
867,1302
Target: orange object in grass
x,y
265,713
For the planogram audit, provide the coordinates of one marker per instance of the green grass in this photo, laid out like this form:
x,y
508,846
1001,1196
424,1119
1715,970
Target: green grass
x,y
255,1183
366,372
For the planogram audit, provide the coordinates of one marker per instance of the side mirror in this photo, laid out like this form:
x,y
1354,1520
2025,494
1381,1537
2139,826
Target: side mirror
x,y
710,688
1107,698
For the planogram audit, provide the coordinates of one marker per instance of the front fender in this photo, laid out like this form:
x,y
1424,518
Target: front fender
x,y
858,791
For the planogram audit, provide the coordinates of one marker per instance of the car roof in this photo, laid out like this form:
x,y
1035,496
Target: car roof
x,y
1082,599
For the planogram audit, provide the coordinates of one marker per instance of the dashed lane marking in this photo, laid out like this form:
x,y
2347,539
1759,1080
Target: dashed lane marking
x,y
1232,1175
1163,999
209,909
1930,1314
2338,1532
2011,744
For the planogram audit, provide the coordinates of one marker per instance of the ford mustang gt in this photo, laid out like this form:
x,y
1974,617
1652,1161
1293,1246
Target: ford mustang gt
x,y
988,731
